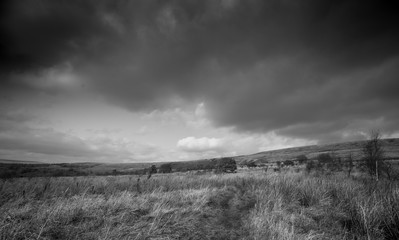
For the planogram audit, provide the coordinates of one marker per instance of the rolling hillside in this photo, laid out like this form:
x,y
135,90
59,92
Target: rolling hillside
x,y
391,148
11,168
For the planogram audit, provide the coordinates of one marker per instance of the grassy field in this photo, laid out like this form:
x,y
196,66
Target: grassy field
x,y
246,205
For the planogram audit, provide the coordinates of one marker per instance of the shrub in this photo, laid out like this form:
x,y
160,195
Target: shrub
x,y
165,168
288,163
153,169
226,165
251,165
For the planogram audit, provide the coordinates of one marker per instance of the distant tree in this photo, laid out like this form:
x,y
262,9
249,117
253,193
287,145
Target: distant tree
x,y
301,159
151,170
226,164
165,168
374,155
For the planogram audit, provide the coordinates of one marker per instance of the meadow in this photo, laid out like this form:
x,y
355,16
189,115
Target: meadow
x,y
250,204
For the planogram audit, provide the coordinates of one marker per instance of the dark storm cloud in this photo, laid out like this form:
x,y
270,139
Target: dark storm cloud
x,y
39,34
258,65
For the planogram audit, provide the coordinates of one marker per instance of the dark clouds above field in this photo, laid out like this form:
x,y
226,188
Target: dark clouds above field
x,y
317,70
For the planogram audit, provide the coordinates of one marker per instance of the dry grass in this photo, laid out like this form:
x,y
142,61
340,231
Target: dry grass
x,y
249,205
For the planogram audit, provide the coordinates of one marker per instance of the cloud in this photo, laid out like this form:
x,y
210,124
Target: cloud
x,y
21,137
196,118
304,69
46,141
233,144
168,116
204,144
56,146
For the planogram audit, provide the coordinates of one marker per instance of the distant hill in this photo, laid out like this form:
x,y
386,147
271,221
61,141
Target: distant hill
x,y
15,168
10,168
391,149
18,161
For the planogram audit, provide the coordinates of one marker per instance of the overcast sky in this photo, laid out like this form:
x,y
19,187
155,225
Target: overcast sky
x,y
133,81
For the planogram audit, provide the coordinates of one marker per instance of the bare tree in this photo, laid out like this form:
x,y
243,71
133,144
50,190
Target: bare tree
x,y
374,154
151,170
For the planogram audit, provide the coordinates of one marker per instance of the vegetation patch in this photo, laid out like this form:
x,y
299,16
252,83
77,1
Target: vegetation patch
x,y
246,205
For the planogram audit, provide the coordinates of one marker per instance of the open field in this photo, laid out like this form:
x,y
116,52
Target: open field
x,y
250,204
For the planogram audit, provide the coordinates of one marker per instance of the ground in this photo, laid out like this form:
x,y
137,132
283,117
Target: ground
x,y
250,204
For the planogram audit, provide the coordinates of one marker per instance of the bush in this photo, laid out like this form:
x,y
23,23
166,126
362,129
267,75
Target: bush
x,y
165,168
288,163
226,165
251,165
153,169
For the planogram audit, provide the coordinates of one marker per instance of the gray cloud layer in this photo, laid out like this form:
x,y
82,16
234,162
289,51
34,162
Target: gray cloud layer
x,y
309,69
22,140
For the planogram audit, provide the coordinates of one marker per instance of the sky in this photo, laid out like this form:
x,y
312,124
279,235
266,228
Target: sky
x,y
149,81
